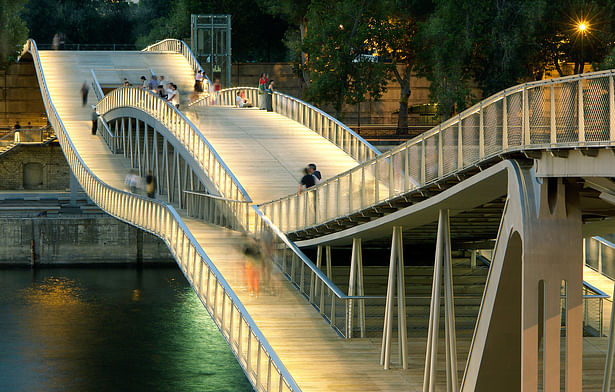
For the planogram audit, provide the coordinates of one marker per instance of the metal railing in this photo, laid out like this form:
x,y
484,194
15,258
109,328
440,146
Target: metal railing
x,y
188,134
177,46
97,47
599,254
26,136
112,140
593,309
311,117
571,112
262,365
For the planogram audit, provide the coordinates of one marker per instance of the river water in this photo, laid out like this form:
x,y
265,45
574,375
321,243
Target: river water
x,y
109,329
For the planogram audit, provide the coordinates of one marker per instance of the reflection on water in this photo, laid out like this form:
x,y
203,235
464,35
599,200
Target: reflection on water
x,y
109,329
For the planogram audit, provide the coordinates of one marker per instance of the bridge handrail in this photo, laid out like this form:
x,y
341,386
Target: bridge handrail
x,y
187,133
313,118
523,117
177,46
163,220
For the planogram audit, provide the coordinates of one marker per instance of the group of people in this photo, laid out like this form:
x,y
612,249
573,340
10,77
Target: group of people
x,y
165,90
311,177
134,182
202,85
266,87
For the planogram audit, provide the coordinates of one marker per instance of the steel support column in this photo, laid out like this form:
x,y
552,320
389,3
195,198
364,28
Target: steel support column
x,y
396,278
442,268
355,287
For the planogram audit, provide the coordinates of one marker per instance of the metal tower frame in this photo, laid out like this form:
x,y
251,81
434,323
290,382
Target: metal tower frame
x,y
210,41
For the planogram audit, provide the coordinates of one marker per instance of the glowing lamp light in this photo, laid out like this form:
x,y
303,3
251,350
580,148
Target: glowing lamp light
x,y
582,26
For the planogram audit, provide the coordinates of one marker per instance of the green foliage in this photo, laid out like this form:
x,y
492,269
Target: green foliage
x,y
255,36
13,31
338,35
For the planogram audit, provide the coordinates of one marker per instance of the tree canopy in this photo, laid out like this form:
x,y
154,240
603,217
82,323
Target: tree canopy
x,y
13,30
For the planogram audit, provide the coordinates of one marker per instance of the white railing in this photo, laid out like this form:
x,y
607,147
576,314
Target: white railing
x,y
187,133
311,117
262,365
177,46
571,112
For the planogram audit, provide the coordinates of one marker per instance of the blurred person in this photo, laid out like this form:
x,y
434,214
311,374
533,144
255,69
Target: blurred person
x,y
143,82
150,185
253,261
84,93
153,83
162,93
131,181
307,180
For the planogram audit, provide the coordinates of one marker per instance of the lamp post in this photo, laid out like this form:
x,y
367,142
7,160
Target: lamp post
x,y
582,27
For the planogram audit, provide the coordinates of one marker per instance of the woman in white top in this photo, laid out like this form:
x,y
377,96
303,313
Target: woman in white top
x,y
173,96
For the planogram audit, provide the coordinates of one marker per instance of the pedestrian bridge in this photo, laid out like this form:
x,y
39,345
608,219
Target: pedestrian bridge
x,y
530,168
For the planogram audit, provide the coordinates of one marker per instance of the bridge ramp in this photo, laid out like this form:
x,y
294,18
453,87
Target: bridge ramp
x,y
267,151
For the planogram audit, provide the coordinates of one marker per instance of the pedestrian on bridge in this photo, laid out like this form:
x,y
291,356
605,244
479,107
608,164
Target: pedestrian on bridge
x,y
307,181
84,93
173,96
262,84
315,173
269,93
150,185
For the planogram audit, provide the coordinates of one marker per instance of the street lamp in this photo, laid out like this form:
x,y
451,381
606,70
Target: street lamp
x,y
582,28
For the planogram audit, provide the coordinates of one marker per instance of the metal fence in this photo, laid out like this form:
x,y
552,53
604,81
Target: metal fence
x,y
263,367
311,117
26,136
572,112
187,133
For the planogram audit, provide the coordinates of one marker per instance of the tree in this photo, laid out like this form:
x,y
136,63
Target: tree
x,y
294,12
336,44
395,40
13,33
479,43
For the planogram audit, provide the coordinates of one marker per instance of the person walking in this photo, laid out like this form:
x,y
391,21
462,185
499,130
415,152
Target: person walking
x,y
150,185
262,83
84,93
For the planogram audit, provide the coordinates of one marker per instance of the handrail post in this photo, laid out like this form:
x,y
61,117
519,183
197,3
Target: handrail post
x,y
611,110
481,133
552,114
581,114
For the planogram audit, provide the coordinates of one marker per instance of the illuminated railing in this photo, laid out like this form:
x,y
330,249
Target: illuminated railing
x,y
571,112
311,117
177,46
263,367
182,128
